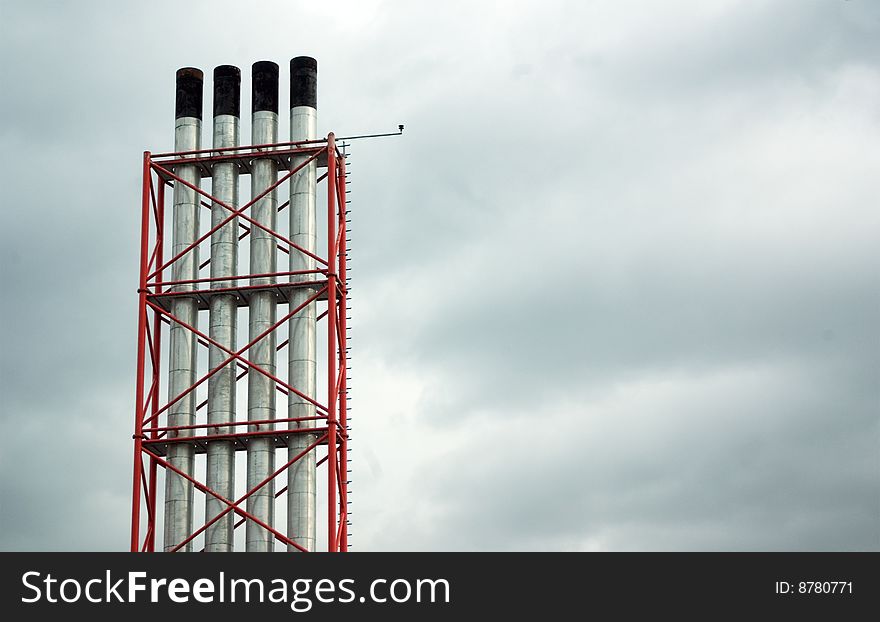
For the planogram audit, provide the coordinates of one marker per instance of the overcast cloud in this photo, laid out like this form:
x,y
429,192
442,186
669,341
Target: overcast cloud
x,y
616,287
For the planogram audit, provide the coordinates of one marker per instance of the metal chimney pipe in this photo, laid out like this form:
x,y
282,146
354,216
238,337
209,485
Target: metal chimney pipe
x,y
261,390
183,343
223,309
302,367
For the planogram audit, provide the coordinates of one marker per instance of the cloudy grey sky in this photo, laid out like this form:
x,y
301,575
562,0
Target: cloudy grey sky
x,y
616,288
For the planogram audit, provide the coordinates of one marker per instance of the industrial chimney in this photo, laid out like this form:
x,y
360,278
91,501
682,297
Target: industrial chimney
x,y
182,356
301,478
223,310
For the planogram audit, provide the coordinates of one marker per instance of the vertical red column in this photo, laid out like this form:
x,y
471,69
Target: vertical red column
x,y
137,470
343,366
332,385
150,543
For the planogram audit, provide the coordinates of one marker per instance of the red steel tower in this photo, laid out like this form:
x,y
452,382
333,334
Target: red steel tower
x,y
189,421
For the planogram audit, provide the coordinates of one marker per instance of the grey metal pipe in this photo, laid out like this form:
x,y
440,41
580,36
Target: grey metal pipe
x,y
262,313
302,366
183,343
223,310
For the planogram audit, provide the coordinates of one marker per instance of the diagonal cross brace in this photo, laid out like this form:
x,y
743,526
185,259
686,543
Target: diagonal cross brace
x,y
235,355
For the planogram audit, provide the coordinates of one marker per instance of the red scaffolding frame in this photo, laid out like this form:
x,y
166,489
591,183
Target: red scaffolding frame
x,y
328,280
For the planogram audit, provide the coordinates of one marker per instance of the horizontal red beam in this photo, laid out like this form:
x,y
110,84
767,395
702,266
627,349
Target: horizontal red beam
x,y
229,437
211,279
235,423
260,149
